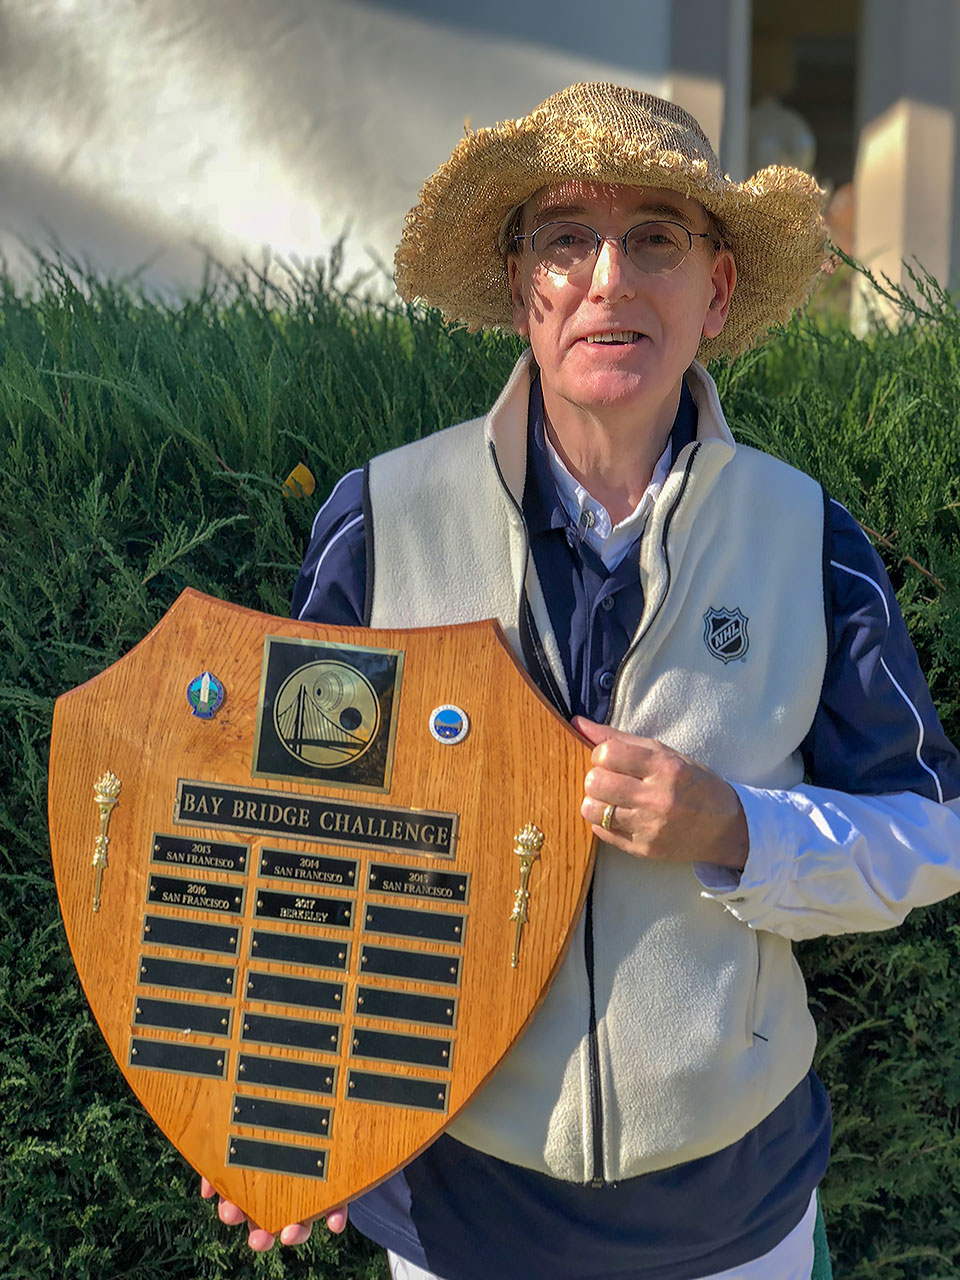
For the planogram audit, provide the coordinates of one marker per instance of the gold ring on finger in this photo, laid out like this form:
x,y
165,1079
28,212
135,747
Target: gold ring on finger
x,y
607,818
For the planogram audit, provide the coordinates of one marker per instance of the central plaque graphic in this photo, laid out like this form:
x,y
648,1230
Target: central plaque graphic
x,y
327,713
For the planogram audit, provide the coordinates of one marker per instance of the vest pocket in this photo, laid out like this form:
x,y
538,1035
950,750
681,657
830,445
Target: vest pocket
x,y
753,977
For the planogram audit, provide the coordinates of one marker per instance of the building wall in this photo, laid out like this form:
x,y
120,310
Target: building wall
x,y
138,133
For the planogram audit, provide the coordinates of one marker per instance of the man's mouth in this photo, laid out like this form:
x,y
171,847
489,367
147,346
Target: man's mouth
x,y
622,337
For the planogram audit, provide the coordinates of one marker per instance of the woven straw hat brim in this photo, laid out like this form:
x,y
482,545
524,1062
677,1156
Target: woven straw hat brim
x,y
451,255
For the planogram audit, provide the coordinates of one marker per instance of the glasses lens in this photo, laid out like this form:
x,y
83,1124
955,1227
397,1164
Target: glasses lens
x,y
563,246
655,247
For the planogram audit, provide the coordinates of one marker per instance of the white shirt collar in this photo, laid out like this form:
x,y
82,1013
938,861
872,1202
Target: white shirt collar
x,y
610,542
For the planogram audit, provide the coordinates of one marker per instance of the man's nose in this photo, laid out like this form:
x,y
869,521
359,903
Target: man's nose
x,y
614,275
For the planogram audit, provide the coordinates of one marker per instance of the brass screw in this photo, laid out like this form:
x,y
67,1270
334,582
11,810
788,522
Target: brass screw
x,y
146,928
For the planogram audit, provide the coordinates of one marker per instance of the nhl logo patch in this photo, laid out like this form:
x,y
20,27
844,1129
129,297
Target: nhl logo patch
x,y
725,633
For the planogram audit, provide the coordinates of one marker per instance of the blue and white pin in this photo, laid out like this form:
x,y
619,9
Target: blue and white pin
x,y
449,724
205,693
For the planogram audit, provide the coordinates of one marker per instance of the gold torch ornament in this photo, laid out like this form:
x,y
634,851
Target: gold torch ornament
x,y
105,793
527,845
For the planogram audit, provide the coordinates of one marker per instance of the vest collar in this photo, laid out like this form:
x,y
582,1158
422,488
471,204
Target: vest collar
x,y
505,426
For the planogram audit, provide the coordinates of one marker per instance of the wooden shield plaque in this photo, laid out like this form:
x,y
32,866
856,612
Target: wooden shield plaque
x,y
315,881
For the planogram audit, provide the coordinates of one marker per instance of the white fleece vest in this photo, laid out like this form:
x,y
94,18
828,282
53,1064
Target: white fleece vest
x,y
702,1023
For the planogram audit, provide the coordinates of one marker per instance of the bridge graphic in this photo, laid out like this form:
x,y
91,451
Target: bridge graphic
x,y
304,725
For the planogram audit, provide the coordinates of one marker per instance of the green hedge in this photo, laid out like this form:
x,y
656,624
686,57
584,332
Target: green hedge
x,y
142,449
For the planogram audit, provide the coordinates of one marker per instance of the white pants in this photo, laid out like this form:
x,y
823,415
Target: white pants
x,y
791,1259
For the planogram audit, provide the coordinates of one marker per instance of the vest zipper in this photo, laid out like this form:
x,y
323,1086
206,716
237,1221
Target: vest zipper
x,y
598,1178
638,639
528,625
533,652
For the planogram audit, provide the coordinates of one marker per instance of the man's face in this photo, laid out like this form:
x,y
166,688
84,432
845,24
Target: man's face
x,y
660,318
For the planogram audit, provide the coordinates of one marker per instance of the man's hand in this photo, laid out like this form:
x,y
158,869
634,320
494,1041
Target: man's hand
x,y
666,806
260,1240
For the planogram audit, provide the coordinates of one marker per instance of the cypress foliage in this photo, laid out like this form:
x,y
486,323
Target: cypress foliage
x,y
143,445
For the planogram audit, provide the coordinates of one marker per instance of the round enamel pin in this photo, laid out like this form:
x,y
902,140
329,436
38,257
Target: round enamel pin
x,y
205,693
449,724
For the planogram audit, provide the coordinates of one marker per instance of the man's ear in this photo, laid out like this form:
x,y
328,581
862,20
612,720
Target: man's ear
x,y
517,286
723,281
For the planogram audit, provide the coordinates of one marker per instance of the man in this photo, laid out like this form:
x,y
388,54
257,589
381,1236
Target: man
x,y
718,630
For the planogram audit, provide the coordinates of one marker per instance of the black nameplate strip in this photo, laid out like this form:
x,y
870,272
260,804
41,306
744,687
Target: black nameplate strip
x,y
397,1091
413,924
155,972
194,895
268,1113
418,882
416,1051
191,935
183,1059
327,821
280,864
294,948
421,966
279,989
180,1015
276,1157
404,1006
321,1037
207,855
286,1073
303,908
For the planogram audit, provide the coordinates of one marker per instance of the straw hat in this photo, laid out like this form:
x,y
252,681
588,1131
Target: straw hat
x,y
452,253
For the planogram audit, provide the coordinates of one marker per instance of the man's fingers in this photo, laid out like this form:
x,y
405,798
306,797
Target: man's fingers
x,y
295,1233
259,1240
230,1213
337,1220
206,1188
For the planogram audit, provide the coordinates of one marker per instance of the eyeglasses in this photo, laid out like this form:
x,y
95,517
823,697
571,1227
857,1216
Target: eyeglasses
x,y
653,247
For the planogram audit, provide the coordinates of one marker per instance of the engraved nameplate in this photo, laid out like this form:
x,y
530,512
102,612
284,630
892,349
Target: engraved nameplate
x,y
293,948
418,882
304,908
281,864
321,1037
279,989
413,924
268,1113
155,972
397,1091
207,855
406,1006
327,821
183,1015
276,1157
184,1059
419,1051
420,966
286,1073
194,895
191,935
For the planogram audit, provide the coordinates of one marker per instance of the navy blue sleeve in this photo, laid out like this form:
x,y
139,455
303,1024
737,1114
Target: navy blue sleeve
x,y
332,583
876,729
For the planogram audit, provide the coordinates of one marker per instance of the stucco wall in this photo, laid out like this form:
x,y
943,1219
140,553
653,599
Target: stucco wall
x,y
135,132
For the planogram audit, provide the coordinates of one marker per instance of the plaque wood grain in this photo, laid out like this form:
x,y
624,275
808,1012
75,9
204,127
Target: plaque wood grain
x,y
520,763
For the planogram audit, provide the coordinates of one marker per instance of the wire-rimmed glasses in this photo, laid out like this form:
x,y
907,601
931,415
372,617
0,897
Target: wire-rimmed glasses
x,y
653,247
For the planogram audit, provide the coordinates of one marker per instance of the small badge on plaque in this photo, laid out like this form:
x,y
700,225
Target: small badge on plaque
x,y
205,694
327,713
449,724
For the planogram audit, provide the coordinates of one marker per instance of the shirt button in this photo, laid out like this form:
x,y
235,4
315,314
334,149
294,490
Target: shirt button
x,y
606,681
607,603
